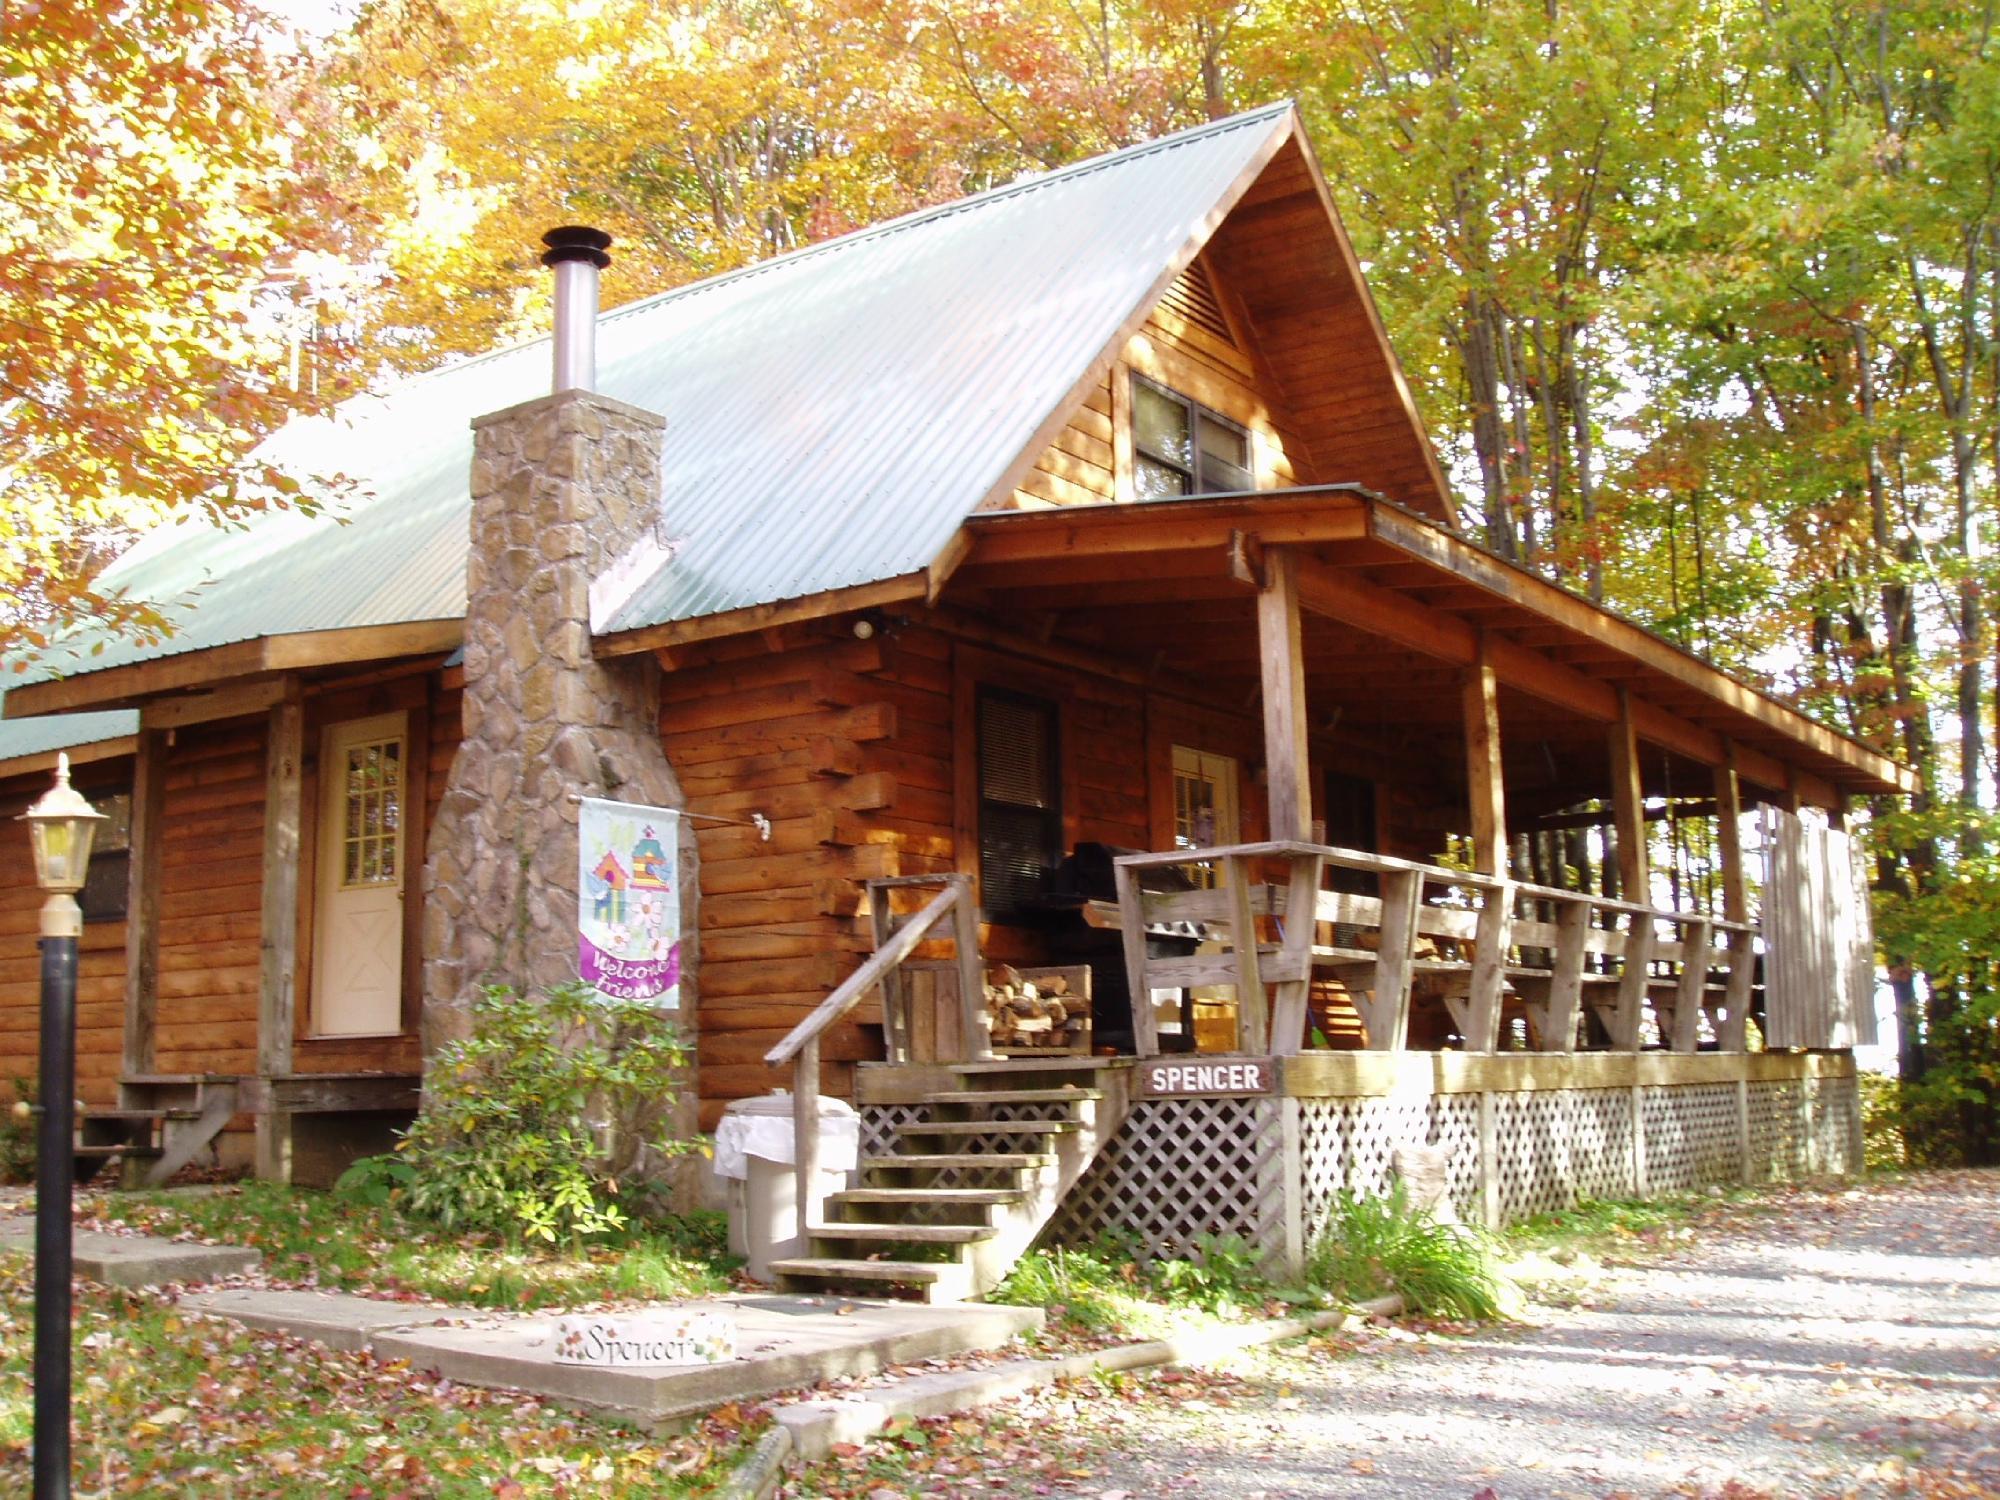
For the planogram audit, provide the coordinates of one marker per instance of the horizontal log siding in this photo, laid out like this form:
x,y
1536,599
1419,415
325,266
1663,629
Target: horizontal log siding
x,y
211,874
752,729
1078,467
100,987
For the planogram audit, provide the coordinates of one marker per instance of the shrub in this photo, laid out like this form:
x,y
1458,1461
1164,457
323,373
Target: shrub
x,y
1883,1119
538,1124
1372,1245
18,1135
1222,1275
1089,1289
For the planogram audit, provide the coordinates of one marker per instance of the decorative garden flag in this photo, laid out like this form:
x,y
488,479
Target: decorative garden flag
x,y
628,912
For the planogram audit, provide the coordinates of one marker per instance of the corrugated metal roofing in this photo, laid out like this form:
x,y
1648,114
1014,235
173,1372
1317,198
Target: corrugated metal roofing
x,y
832,415
63,731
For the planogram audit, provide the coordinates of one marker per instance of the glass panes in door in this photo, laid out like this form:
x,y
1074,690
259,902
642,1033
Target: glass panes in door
x,y
372,801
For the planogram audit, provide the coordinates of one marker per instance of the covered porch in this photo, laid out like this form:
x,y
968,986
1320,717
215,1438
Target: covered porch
x,y
1515,741
1486,963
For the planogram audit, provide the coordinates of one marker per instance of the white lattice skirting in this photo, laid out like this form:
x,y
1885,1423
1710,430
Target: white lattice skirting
x,y
1266,1170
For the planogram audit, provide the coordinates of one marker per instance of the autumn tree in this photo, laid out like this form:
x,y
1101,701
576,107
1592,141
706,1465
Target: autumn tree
x,y
153,186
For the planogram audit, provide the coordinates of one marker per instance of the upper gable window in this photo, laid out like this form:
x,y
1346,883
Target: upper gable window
x,y
1180,447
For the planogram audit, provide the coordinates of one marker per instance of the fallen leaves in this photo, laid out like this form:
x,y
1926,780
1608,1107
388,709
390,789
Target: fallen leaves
x,y
167,1403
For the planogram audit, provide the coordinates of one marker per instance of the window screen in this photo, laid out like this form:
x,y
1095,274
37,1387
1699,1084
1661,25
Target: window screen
x,y
1180,447
1020,812
105,883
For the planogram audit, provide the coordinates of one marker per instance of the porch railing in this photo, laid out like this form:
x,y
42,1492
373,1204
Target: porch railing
x,y
1493,924
895,941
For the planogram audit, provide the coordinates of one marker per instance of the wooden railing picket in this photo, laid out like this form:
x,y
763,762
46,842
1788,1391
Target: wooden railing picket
x,y
1251,1020
1733,1035
1565,978
1696,955
1402,898
1489,967
895,994
972,1026
1293,992
805,1129
1633,981
1132,930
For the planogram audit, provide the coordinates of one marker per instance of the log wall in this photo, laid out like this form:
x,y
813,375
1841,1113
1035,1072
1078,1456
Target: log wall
x,y
100,989
211,877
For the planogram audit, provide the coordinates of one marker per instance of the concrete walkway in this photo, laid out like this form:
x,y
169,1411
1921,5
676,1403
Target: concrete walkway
x,y
139,1259
1844,1343
782,1344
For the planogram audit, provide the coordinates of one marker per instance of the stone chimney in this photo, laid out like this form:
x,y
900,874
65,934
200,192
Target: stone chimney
x,y
562,487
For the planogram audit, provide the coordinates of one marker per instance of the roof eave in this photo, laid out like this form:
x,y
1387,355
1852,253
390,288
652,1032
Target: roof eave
x,y
261,656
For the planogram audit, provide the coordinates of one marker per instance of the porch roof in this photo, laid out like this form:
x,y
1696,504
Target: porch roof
x,y
1396,607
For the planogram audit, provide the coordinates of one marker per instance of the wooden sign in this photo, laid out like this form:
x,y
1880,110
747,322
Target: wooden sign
x,y
1199,1077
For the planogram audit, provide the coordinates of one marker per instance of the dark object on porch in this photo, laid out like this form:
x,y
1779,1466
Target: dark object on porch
x,y
1078,923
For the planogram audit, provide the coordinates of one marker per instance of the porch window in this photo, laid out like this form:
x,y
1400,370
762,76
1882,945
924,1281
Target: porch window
x,y
103,896
1020,804
1180,447
1205,803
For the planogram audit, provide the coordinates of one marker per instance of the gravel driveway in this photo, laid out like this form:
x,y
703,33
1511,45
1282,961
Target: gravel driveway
x,y
1836,1343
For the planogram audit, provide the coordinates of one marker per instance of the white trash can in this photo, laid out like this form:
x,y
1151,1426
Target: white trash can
x,y
756,1157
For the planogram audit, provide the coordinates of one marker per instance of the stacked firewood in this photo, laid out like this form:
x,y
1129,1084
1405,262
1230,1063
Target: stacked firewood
x,y
1039,1012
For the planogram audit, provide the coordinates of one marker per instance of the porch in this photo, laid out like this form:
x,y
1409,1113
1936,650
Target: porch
x,y
1487,961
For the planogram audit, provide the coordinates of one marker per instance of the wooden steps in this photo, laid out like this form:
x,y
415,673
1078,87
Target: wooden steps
x,y
941,1161
161,1123
982,1203
976,1196
904,1234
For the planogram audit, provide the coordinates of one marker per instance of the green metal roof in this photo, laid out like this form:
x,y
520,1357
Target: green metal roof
x,y
20,737
832,414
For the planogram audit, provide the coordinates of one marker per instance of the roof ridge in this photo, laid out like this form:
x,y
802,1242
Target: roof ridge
x,y
1019,186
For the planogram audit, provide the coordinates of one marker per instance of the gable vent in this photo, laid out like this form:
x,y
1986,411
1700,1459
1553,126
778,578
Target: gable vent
x,y
1193,298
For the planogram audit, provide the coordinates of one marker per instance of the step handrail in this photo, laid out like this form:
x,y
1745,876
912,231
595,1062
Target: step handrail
x,y
801,1044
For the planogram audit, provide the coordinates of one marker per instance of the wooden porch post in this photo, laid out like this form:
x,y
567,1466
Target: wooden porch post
x,y
1628,803
142,905
1278,644
1480,702
284,762
1735,1031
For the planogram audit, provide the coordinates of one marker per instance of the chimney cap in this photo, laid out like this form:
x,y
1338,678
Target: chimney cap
x,y
576,242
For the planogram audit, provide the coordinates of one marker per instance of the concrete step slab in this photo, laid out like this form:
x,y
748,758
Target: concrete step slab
x,y
340,1320
141,1260
783,1342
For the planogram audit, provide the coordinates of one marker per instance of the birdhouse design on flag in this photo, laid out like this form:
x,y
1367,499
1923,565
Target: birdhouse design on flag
x,y
607,890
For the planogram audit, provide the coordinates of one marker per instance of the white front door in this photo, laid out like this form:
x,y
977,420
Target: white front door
x,y
358,931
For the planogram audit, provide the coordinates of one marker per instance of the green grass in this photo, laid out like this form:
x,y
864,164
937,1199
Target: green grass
x,y
1106,1290
169,1404
1376,1245
336,1242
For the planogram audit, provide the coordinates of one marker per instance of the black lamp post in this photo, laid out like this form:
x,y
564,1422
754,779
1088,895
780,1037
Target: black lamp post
x,y
62,827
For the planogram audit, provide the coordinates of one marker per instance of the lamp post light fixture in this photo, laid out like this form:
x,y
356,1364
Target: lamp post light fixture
x,y
61,827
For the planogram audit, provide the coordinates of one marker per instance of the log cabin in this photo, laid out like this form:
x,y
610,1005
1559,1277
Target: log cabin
x,y
1048,615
